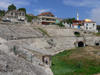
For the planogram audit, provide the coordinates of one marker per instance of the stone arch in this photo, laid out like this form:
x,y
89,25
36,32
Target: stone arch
x,y
80,44
97,44
77,33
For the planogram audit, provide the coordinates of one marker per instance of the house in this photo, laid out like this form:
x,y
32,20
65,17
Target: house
x,y
15,15
58,20
89,25
86,24
76,23
47,18
36,22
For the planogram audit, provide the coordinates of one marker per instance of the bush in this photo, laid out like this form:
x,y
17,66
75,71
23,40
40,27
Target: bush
x,y
61,25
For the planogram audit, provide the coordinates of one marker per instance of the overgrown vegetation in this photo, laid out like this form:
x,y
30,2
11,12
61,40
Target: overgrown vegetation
x,y
96,34
44,32
69,20
29,18
61,25
77,35
77,61
2,13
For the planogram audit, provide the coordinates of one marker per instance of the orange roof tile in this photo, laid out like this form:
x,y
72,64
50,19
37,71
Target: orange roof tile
x,y
46,13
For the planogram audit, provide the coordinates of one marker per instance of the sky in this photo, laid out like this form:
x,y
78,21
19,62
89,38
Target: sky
x,y
88,9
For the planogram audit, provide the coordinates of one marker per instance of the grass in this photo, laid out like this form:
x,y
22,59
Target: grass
x,y
77,34
44,32
97,34
75,62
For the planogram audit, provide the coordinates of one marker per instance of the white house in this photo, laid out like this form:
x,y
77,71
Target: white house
x,y
15,15
90,25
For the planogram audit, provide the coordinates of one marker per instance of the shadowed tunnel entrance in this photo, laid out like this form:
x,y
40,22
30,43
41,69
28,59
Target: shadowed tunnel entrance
x,y
77,33
80,44
97,44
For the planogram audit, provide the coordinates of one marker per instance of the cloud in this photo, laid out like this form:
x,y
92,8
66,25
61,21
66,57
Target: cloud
x,y
85,3
38,11
95,15
5,3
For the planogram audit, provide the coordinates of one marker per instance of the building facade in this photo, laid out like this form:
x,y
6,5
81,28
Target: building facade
x,y
77,23
47,18
90,25
86,24
36,22
15,15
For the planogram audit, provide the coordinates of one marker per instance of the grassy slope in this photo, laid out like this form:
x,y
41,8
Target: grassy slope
x,y
77,61
97,34
44,32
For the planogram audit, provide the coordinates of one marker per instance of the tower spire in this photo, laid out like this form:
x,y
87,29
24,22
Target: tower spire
x,y
77,15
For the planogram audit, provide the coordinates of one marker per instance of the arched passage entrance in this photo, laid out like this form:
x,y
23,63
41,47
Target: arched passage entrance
x,y
80,44
97,44
77,33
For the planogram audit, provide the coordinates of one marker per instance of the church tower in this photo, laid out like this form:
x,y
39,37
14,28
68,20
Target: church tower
x,y
77,15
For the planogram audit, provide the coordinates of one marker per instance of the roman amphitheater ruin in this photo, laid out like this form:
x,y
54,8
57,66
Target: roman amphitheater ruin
x,y
22,47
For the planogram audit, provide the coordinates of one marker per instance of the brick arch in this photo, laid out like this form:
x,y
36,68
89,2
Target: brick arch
x,y
80,43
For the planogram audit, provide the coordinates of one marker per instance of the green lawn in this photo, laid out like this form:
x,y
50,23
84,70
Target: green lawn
x,y
75,62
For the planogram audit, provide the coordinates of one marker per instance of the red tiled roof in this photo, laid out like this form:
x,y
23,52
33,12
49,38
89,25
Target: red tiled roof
x,y
90,22
79,21
14,10
46,13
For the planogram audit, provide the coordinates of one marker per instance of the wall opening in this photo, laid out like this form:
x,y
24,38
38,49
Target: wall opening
x,y
77,33
80,44
97,44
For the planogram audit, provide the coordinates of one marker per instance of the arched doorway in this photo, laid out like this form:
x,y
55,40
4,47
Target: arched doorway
x,y
80,44
77,33
97,44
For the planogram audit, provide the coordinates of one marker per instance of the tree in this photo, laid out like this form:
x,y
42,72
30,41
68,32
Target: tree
x,y
70,20
29,19
23,9
11,7
2,12
79,24
61,25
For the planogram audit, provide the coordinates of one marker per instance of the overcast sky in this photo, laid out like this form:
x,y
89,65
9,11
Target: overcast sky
x,y
61,8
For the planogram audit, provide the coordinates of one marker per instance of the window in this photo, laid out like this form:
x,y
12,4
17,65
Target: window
x,y
42,18
93,25
86,27
90,28
86,24
16,14
72,26
11,13
20,14
23,14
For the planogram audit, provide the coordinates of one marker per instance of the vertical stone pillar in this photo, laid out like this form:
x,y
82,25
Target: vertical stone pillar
x,y
84,44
